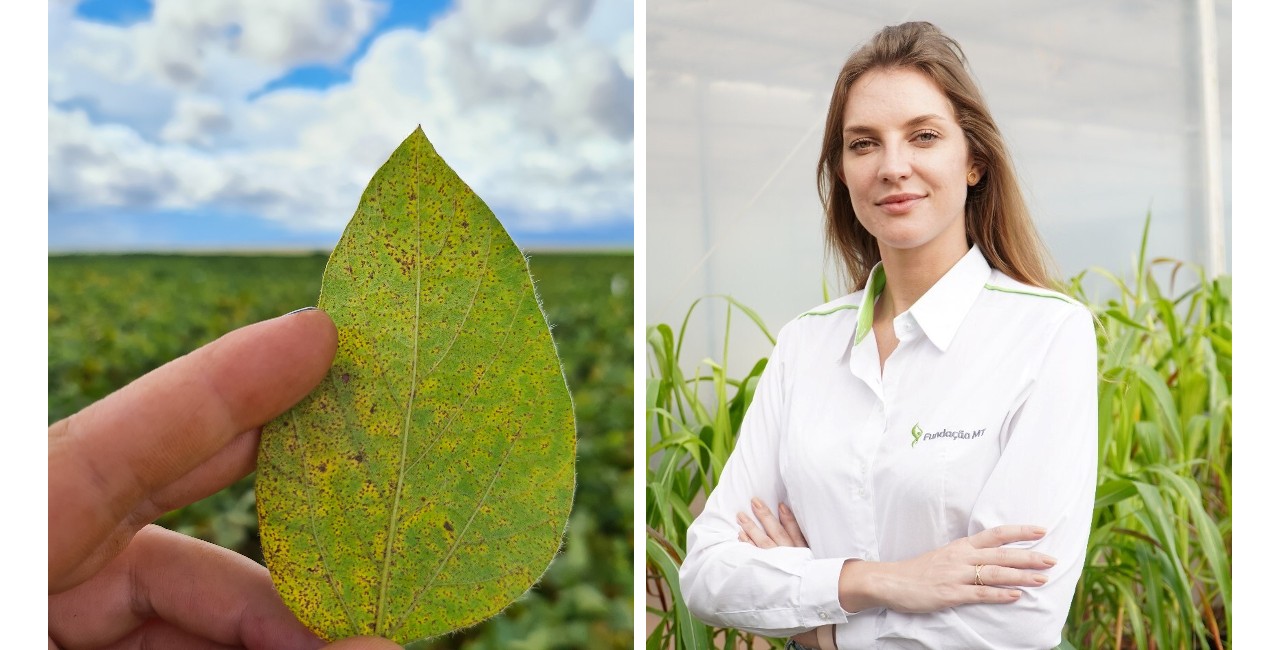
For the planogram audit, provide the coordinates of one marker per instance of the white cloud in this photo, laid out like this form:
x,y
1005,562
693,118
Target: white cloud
x,y
532,22
530,103
112,165
196,120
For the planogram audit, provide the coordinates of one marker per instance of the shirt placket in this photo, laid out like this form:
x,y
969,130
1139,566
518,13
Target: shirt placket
x,y
866,429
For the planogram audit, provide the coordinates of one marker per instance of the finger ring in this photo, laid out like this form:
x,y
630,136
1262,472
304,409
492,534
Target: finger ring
x,y
977,576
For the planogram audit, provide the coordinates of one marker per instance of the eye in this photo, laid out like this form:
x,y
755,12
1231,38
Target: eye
x,y
927,137
860,145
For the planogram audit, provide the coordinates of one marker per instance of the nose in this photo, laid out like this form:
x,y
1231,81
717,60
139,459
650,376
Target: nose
x,y
895,163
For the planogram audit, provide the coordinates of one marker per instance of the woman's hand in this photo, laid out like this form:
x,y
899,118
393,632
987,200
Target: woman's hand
x,y
780,531
976,569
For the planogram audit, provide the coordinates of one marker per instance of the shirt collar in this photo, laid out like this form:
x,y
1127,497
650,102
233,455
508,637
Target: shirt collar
x,y
942,308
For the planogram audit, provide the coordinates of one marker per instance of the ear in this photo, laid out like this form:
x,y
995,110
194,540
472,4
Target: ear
x,y
975,173
978,167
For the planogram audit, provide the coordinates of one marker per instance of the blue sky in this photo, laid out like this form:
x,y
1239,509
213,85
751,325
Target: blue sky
x,y
242,124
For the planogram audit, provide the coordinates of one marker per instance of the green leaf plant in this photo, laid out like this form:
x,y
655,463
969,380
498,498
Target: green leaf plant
x,y
427,481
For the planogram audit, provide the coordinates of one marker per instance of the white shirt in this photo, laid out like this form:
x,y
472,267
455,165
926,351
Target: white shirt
x,y
986,414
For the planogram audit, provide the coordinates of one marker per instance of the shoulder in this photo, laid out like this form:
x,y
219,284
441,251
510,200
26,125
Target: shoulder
x,y
1023,296
847,304
1040,308
829,314
831,323
1002,283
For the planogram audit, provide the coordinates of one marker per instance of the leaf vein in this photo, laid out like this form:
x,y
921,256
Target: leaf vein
x,y
311,518
479,581
448,426
462,533
470,307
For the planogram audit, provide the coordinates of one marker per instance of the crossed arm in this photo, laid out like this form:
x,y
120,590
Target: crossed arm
x,y
974,569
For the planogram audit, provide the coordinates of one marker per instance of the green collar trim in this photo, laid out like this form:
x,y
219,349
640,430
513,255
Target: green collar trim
x,y
829,311
874,286
1024,292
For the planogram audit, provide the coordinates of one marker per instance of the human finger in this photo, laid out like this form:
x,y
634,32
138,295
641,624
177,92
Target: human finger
x,y
1016,558
228,464
789,524
117,453
986,594
159,634
203,589
1007,534
235,460
758,536
743,537
993,575
770,523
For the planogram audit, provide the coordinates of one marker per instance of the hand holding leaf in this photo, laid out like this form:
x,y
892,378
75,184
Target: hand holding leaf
x,y
427,481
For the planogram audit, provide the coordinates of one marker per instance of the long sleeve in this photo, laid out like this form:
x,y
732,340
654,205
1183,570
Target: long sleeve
x,y
1046,476
775,592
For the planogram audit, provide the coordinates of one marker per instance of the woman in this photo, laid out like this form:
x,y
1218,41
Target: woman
x,y
929,442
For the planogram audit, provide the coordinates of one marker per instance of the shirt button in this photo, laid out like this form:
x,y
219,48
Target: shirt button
x,y
862,492
822,615
907,326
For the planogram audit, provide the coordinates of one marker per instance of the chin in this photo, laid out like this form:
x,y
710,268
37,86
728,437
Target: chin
x,y
904,240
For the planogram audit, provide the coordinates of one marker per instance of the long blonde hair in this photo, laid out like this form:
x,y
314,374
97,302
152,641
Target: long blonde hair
x,y
995,214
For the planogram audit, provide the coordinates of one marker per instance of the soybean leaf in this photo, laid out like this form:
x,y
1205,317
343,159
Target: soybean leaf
x,y
427,481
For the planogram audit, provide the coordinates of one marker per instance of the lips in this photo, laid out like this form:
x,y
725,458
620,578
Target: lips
x,y
899,203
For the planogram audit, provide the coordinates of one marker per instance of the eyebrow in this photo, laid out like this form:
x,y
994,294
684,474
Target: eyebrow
x,y
913,122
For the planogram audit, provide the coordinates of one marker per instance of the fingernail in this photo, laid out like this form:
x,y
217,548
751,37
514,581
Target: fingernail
x,y
300,310
1041,579
782,507
1038,530
742,518
1050,561
1013,595
757,503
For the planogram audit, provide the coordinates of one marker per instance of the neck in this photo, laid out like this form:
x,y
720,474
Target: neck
x,y
909,274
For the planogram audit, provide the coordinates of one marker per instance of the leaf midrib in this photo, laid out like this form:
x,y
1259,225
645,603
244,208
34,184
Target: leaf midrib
x,y
413,389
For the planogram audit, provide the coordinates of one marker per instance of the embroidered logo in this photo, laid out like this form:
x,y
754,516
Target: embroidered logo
x,y
918,434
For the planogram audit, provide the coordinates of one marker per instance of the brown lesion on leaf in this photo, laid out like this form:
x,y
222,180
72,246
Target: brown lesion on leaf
x,y
448,526
346,377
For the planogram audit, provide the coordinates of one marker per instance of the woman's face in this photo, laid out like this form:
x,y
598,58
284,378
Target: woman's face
x,y
904,161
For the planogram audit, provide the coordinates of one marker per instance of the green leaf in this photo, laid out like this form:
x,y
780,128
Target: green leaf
x,y
692,633
426,483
